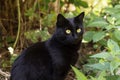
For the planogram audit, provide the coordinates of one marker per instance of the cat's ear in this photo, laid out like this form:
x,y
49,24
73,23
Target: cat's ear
x,y
80,17
61,19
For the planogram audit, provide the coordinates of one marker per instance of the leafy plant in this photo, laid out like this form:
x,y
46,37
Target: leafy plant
x,y
35,35
79,75
104,26
107,64
109,60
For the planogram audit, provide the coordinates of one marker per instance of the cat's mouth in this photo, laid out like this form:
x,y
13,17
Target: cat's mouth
x,y
76,41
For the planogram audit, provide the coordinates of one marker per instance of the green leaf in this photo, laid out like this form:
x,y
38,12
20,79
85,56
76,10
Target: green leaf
x,y
100,66
103,42
102,76
83,4
88,36
79,75
114,65
113,46
112,77
112,10
92,78
118,78
102,55
117,6
109,27
98,36
80,3
98,23
117,22
117,34
111,20
116,15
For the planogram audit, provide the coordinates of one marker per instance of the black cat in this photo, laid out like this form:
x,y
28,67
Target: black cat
x,y
51,59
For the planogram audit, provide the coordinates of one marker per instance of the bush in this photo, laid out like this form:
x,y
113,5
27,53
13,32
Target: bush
x,y
108,64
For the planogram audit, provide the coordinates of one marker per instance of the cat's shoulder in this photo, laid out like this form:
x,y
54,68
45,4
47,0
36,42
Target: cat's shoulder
x,y
36,46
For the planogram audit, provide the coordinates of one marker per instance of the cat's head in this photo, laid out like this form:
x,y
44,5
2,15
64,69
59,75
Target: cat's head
x,y
69,30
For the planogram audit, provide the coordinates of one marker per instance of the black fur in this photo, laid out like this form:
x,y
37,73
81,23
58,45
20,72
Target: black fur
x,y
51,60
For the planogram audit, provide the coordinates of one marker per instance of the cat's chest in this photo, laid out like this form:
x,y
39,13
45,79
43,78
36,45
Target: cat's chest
x,y
63,58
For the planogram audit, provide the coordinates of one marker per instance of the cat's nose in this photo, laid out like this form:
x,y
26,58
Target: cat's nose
x,y
75,37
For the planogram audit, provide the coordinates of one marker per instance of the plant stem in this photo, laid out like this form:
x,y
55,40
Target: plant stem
x,y
18,32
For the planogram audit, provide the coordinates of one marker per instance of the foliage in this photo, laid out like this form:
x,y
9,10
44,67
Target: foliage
x,y
108,63
78,3
109,60
79,75
104,30
104,26
35,35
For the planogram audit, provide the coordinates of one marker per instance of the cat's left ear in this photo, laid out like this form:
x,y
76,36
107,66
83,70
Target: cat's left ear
x,y
80,17
61,20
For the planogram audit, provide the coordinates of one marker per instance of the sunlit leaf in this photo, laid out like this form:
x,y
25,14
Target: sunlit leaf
x,y
117,6
112,10
102,76
111,20
92,78
117,34
114,65
112,45
103,55
117,22
79,75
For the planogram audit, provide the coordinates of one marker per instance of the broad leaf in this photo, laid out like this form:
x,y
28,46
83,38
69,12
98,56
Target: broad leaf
x,y
111,20
109,27
117,6
114,65
103,55
98,36
98,23
113,46
117,22
99,66
112,10
117,34
88,36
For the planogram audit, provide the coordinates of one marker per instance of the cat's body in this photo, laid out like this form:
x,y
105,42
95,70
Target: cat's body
x,y
51,60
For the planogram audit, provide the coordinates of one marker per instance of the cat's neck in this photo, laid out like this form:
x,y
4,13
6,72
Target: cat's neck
x,y
55,43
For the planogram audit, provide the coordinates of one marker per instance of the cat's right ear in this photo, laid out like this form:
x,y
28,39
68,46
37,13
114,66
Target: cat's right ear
x,y
80,17
60,20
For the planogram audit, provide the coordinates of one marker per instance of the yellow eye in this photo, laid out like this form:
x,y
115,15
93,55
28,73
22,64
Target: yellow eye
x,y
68,31
78,30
